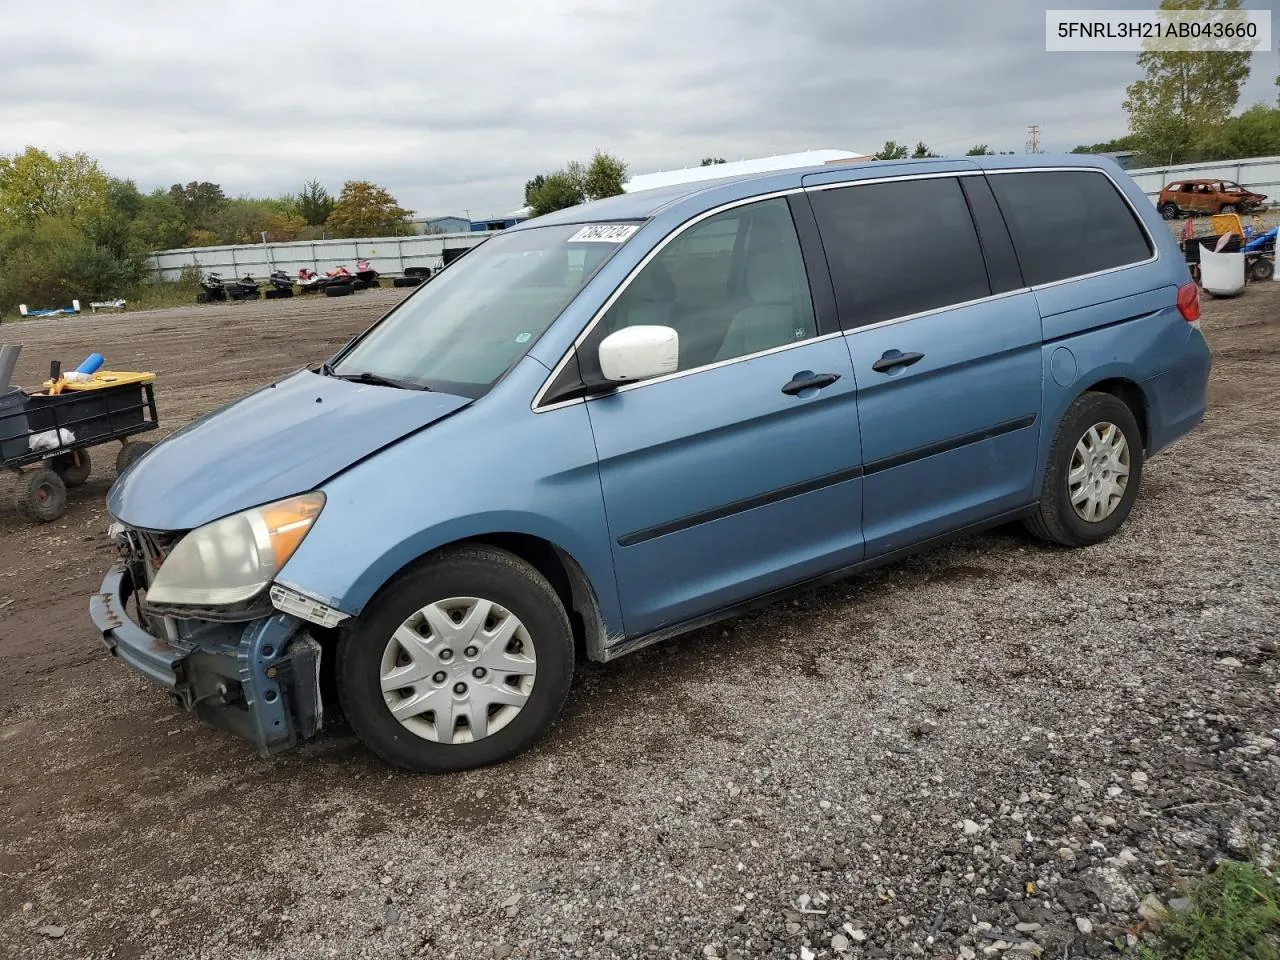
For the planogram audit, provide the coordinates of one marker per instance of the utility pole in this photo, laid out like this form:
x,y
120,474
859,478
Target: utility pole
x,y
1033,144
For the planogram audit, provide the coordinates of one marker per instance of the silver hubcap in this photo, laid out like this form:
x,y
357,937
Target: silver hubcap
x,y
458,670
1099,472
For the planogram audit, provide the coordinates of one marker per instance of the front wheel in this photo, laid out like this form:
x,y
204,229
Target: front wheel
x,y
1228,208
1169,211
463,661
1092,476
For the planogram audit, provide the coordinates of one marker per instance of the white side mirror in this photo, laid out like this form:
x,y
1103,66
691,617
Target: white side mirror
x,y
640,352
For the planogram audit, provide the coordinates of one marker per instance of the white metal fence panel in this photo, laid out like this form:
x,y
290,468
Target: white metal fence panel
x,y
1260,174
388,255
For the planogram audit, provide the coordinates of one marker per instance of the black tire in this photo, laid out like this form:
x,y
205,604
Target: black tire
x,y
74,467
338,290
277,293
42,495
1262,269
1169,211
405,281
1056,520
129,452
358,285
375,282
1227,208
466,571
423,272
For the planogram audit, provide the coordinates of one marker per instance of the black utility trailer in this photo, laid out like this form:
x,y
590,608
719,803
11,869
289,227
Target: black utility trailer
x,y
45,436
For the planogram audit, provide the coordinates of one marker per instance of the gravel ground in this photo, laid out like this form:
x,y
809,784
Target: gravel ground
x,y
996,749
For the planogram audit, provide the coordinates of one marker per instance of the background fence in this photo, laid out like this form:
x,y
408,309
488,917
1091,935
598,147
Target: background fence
x,y
388,255
1260,174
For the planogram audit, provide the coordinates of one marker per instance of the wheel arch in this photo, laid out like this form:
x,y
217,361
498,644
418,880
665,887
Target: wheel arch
x,y
1130,393
561,569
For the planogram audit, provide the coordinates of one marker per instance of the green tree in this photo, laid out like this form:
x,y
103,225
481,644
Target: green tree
x,y
603,176
34,185
1183,96
921,151
892,150
313,203
1255,133
1109,146
981,150
159,224
711,161
52,261
532,186
199,203
365,209
577,182
556,191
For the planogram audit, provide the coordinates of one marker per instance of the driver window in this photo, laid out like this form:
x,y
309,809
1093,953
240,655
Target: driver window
x,y
730,286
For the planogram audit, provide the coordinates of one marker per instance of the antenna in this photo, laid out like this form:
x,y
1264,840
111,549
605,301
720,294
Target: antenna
x,y
1033,142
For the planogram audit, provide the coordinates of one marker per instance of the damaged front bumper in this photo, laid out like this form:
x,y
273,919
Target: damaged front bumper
x,y
259,680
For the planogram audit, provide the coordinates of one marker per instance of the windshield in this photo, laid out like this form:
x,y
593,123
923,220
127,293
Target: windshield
x,y
461,331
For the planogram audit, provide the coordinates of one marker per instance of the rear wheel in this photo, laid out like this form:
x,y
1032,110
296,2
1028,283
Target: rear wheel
x,y
405,281
1169,211
73,467
461,662
1262,269
42,495
129,452
1228,208
338,290
1092,476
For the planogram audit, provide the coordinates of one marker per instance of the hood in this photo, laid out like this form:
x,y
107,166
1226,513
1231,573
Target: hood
x,y
284,439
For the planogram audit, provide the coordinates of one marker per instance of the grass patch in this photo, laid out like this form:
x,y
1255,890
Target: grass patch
x,y
1235,913
152,296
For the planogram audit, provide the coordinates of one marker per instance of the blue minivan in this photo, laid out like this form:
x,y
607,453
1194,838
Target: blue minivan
x,y
628,419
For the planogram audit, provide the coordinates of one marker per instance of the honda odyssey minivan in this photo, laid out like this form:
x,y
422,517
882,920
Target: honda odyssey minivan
x,y
627,419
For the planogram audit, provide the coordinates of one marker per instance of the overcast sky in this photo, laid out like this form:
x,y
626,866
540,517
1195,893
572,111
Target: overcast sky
x,y
453,106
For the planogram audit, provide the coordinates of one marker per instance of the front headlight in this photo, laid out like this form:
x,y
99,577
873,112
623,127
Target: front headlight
x,y
234,559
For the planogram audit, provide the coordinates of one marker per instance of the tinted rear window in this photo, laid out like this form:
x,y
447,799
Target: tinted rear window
x,y
899,248
1068,223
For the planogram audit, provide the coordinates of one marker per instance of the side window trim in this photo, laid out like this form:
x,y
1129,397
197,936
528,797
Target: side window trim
x,y
1133,210
1004,270
590,332
818,271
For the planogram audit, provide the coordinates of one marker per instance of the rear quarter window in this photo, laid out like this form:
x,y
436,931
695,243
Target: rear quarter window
x,y
1069,223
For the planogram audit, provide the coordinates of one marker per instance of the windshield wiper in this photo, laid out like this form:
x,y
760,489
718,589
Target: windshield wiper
x,y
368,376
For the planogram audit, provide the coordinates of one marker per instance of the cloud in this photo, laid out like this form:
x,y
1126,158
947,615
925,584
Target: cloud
x,y
453,107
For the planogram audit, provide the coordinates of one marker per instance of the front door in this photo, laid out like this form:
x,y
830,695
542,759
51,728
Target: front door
x,y
946,346
739,473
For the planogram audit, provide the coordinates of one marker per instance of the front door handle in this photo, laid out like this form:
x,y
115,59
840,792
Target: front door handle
x,y
895,358
809,382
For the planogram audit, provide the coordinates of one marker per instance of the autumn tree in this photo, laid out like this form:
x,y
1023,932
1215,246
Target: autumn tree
x,y
1184,95
34,184
365,209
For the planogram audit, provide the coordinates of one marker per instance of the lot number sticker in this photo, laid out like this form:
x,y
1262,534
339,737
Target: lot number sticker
x,y
604,233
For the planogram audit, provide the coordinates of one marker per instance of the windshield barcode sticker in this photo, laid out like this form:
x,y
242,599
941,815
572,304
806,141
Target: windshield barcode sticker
x,y
604,233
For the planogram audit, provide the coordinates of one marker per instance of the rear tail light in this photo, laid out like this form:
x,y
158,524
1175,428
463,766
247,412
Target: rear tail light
x,y
1189,302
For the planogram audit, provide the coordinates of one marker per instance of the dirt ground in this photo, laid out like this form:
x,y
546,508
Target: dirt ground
x,y
143,834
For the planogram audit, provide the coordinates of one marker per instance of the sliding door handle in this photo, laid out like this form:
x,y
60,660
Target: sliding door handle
x,y
895,358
